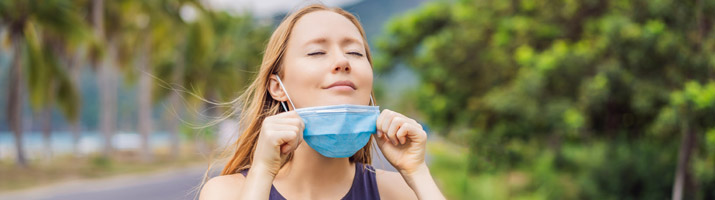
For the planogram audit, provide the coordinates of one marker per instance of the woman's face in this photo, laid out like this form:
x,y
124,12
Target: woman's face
x,y
325,63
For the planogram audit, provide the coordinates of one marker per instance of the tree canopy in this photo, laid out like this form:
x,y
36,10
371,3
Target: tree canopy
x,y
594,95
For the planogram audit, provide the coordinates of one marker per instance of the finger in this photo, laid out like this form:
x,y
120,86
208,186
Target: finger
x,y
299,127
287,120
403,131
416,133
286,124
284,127
282,137
387,121
380,140
291,128
299,134
394,126
288,141
301,124
288,114
381,119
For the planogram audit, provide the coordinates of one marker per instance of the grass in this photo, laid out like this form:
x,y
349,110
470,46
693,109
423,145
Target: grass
x,y
449,169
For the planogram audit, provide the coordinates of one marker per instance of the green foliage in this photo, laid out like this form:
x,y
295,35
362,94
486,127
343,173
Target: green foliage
x,y
47,29
531,82
100,162
218,52
210,56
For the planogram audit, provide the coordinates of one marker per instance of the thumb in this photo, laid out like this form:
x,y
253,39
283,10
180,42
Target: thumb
x,y
380,138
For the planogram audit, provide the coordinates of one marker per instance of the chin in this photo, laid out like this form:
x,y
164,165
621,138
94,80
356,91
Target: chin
x,y
339,100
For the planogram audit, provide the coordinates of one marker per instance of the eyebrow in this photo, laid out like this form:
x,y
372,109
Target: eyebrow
x,y
343,42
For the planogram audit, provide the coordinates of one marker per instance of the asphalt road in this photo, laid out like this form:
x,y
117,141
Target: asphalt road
x,y
173,184
169,184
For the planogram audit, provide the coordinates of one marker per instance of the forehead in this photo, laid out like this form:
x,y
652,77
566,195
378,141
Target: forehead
x,y
324,24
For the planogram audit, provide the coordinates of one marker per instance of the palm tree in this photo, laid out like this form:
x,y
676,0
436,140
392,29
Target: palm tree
x,y
49,82
155,31
221,51
170,63
16,20
215,53
105,76
109,19
136,32
25,19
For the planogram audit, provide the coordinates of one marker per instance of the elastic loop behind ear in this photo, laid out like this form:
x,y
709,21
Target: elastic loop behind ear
x,y
284,106
285,91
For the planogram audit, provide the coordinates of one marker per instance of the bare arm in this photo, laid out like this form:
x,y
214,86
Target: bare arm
x,y
403,142
222,187
258,184
422,183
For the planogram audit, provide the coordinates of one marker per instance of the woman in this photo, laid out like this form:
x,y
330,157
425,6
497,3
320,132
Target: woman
x,y
319,56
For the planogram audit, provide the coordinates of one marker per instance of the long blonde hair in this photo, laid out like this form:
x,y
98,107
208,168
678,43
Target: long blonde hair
x,y
256,103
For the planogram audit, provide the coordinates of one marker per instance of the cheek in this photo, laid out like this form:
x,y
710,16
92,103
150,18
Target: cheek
x,y
305,72
363,73
303,78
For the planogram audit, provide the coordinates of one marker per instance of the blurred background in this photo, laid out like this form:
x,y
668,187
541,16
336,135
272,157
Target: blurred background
x,y
524,99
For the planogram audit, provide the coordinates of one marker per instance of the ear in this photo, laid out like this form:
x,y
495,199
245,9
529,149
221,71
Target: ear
x,y
274,88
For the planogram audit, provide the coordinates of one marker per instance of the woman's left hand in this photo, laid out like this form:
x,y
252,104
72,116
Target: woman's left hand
x,y
402,141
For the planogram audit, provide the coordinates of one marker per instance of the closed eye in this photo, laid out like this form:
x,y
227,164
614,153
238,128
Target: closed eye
x,y
356,53
316,53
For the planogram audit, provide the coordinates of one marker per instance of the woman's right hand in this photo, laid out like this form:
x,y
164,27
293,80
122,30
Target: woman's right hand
x,y
280,134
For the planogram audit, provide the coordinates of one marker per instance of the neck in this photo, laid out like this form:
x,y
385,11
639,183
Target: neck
x,y
310,168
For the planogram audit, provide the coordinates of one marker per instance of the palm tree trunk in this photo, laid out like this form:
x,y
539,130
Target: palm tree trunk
x,y
107,78
76,135
203,145
175,105
46,115
14,104
173,125
104,80
98,18
75,69
144,99
683,169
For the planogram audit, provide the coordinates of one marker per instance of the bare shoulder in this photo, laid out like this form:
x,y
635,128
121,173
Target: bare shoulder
x,y
392,186
222,187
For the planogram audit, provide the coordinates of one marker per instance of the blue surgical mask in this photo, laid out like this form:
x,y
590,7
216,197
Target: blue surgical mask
x,y
337,131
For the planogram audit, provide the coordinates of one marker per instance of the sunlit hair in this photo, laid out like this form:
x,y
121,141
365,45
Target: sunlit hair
x,y
256,103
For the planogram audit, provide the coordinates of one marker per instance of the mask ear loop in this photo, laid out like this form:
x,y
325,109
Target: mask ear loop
x,y
284,90
372,101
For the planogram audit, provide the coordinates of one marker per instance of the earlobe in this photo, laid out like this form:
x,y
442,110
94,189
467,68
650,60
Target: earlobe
x,y
275,89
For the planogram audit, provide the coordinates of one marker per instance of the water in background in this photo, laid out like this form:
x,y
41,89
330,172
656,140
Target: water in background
x,y
89,142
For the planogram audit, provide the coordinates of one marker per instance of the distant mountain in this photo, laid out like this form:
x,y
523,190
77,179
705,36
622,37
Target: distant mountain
x,y
373,14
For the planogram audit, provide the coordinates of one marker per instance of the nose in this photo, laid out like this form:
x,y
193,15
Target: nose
x,y
341,64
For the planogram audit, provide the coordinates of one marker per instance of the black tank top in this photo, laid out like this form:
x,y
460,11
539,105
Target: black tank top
x,y
364,185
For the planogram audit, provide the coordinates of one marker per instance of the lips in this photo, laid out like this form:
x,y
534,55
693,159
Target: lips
x,y
342,83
